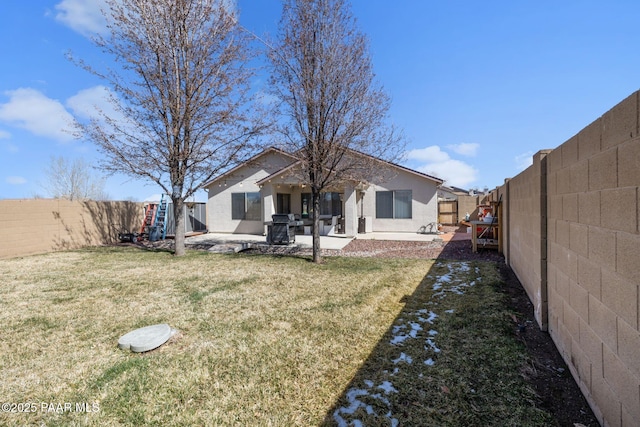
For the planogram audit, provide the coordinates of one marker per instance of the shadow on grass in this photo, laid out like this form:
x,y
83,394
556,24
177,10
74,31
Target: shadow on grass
x,y
450,357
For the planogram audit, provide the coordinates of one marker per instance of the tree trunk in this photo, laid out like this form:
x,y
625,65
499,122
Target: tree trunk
x,y
178,215
317,257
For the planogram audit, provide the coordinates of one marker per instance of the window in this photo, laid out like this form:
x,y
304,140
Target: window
x,y
393,204
384,204
246,206
330,204
283,202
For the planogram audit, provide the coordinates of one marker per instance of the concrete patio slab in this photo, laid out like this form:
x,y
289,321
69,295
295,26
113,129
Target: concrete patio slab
x,y
238,242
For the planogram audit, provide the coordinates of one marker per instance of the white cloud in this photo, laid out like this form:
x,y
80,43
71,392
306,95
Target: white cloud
x,y
82,16
15,180
98,103
90,103
430,154
465,149
436,162
30,109
4,134
524,160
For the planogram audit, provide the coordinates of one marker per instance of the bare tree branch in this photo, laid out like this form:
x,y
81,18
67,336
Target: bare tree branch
x,y
182,105
73,180
332,105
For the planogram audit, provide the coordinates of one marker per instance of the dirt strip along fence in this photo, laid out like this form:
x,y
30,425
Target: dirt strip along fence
x,y
33,226
572,236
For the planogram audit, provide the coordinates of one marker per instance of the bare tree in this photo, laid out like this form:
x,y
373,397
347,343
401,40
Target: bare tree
x,y
180,98
73,180
332,105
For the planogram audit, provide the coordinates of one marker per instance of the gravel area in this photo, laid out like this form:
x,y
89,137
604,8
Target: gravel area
x,y
455,250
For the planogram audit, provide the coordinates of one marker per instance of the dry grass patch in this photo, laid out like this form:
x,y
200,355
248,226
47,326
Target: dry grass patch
x,y
262,341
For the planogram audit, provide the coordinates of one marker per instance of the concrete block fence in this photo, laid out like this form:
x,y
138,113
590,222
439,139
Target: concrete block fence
x,y
572,236
32,226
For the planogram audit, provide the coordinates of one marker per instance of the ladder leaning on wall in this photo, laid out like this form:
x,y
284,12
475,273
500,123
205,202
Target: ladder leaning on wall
x,y
149,217
155,215
161,217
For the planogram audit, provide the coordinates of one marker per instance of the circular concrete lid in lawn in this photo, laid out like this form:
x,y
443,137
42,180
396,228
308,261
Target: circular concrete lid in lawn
x,y
147,338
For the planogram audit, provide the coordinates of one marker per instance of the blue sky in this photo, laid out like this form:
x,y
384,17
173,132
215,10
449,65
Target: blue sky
x,y
478,87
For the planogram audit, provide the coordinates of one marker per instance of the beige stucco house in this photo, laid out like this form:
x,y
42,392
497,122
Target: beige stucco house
x,y
243,199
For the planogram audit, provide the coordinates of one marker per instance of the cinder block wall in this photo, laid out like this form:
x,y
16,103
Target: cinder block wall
x,y
594,262
593,265
33,226
525,232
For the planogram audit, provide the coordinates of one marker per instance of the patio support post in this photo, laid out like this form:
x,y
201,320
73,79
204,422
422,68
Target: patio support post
x,y
267,204
350,210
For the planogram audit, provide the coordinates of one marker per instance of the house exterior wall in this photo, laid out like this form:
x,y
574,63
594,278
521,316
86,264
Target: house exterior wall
x,y
245,179
242,180
424,204
592,241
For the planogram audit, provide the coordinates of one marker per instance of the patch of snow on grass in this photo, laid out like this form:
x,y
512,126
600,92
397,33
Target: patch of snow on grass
x,y
406,328
387,387
430,319
354,396
399,338
403,358
455,285
431,346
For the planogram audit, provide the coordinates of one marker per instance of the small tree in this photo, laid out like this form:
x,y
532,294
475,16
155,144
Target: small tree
x,y
182,115
73,180
332,106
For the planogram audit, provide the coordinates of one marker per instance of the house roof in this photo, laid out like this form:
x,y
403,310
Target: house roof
x,y
296,162
279,172
437,180
454,189
421,174
264,152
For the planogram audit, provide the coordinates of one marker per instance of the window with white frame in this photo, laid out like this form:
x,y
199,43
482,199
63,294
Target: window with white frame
x,y
246,206
394,204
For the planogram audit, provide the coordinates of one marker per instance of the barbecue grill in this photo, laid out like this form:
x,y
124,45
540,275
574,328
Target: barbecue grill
x,y
282,229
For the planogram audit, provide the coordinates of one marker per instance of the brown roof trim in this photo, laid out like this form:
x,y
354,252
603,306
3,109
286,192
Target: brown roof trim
x,y
264,152
438,181
278,172
404,168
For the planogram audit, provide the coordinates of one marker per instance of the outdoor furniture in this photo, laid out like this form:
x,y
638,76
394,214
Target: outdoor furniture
x,y
486,234
282,230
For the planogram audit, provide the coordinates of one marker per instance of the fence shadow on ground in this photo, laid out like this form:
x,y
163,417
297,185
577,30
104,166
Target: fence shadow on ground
x,y
403,382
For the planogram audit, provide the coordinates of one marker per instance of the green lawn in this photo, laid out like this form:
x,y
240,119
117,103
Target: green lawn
x,y
262,341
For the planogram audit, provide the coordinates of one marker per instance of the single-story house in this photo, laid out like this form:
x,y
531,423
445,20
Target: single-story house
x,y
243,199
449,192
